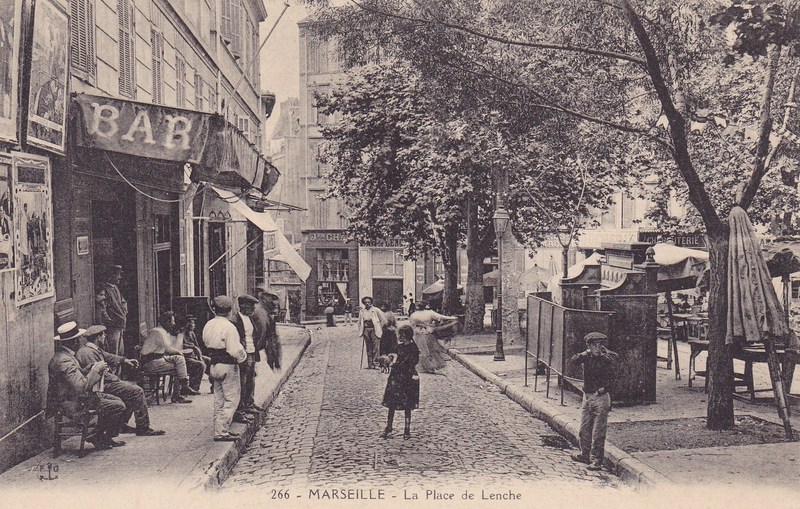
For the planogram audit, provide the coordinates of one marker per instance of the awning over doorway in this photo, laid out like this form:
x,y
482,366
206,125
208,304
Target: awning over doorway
x,y
264,221
218,152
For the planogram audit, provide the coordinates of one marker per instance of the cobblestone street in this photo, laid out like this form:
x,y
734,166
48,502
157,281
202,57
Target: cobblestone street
x,y
322,432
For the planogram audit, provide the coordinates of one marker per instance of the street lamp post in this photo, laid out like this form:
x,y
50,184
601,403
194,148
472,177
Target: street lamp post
x,y
501,220
565,233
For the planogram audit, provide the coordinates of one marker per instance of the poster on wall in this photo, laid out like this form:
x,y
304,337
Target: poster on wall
x,y
49,74
10,21
6,216
33,228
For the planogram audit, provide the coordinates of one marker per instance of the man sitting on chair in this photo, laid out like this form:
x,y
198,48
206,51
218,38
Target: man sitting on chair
x,y
158,358
130,394
68,385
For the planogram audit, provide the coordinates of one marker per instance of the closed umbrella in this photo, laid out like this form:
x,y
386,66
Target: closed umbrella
x,y
754,310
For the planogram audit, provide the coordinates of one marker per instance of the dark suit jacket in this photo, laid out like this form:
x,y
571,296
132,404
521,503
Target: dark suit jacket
x,y
258,332
67,383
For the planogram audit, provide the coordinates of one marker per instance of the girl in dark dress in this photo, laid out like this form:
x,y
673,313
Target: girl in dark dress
x,y
402,387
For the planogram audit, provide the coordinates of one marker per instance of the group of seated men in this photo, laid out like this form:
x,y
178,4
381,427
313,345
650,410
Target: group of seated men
x,y
81,375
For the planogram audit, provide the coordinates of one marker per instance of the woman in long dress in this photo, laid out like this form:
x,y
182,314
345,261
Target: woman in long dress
x,y
402,387
432,355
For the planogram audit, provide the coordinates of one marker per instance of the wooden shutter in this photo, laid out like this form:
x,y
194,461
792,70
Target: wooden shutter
x,y
180,81
198,92
236,28
82,35
127,83
157,46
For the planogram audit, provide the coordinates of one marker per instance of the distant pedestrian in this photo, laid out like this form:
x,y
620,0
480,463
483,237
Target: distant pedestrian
x,y
402,387
271,342
412,305
370,327
329,318
598,377
348,311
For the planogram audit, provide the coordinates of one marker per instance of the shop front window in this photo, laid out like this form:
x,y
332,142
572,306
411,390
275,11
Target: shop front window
x,y
333,265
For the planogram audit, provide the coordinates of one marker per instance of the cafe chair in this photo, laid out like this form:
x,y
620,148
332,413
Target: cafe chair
x,y
84,425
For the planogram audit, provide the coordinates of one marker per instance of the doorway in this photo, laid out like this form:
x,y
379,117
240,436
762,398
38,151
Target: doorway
x,y
389,291
113,227
217,253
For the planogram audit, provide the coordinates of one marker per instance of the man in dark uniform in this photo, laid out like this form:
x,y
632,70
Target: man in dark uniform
x,y
130,394
68,386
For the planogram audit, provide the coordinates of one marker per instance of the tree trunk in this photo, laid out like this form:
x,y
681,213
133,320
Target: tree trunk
x,y
720,360
476,251
450,261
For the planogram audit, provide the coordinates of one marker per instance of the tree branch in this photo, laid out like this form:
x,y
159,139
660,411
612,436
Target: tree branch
x,y
697,191
764,131
505,40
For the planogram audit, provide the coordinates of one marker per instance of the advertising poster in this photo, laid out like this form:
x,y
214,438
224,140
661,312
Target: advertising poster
x,y
6,216
49,74
10,13
33,228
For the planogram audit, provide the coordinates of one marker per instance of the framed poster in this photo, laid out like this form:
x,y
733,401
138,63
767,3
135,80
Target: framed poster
x,y
47,113
10,22
6,215
33,228
82,244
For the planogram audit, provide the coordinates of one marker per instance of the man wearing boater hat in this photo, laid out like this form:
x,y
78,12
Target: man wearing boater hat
x,y
130,394
68,385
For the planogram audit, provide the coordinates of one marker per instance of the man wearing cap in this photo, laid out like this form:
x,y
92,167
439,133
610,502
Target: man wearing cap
x,y
112,308
226,352
598,377
130,394
251,336
68,385
266,311
160,358
370,327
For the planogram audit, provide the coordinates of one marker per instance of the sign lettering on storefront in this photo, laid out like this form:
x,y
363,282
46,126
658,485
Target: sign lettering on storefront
x,y
688,240
327,237
145,130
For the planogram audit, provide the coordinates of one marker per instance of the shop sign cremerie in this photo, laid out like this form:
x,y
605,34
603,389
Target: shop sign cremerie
x,y
144,130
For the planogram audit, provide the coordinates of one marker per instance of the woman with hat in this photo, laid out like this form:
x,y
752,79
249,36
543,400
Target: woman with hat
x,y
432,355
68,387
598,377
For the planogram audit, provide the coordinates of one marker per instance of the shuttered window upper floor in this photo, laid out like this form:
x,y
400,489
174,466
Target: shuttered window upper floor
x,y
82,35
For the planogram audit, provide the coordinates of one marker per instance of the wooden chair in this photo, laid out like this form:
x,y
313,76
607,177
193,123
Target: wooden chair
x,y
84,425
157,386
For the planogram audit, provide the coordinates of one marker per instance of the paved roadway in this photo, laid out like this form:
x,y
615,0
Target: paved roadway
x,y
322,431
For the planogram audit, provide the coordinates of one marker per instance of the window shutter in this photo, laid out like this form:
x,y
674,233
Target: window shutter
x,y
198,92
82,35
127,85
180,79
157,47
236,28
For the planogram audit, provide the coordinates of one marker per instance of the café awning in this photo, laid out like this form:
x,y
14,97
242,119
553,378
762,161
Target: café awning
x,y
217,151
264,221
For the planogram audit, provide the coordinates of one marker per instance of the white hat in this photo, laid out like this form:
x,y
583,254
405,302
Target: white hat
x,y
68,331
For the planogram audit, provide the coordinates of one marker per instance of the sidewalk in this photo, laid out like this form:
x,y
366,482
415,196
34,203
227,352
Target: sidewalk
x,y
185,459
767,465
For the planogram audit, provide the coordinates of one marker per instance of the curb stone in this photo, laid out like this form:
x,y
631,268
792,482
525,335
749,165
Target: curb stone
x,y
631,470
217,471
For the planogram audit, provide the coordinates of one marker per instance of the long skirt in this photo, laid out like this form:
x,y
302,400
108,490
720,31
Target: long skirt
x,y
432,355
402,391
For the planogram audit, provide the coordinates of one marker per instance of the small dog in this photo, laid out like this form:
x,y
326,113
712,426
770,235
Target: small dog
x,y
385,362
